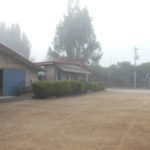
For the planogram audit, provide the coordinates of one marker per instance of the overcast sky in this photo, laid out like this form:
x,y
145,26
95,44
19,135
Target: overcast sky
x,y
119,25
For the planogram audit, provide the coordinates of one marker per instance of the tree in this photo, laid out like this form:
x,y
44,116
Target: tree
x,y
75,39
143,75
120,75
99,73
15,39
124,74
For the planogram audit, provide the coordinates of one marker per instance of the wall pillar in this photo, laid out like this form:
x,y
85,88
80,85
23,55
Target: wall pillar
x,y
87,77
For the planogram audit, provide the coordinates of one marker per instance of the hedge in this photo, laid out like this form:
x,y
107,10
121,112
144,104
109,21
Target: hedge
x,y
44,89
96,86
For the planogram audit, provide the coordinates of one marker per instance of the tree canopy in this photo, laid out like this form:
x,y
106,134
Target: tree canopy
x,y
15,39
75,39
122,75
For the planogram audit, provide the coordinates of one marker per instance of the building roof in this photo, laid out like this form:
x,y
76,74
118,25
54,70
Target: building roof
x,y
73,68
13,54
64,63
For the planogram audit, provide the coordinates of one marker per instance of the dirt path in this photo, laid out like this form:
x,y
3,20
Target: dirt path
x,y
110,120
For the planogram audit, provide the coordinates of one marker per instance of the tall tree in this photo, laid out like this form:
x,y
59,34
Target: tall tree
x,y
15,39
75,39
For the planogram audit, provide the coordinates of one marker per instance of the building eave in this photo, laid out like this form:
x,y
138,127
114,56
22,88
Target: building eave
x,y
63,62
12,53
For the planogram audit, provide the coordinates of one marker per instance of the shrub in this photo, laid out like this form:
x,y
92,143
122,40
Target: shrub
x,y
63,88
44,89
96,86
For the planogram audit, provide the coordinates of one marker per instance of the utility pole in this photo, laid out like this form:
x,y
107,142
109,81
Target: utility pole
x,y
136,57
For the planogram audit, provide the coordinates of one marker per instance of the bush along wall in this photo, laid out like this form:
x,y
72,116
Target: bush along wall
x,y
96,86
44,89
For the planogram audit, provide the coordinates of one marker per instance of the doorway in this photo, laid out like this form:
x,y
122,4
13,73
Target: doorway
x,y
1,82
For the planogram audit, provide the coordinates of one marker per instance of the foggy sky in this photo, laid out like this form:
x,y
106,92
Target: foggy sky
x,y
119,25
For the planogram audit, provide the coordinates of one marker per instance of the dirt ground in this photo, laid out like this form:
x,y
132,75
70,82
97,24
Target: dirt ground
x,y
110,120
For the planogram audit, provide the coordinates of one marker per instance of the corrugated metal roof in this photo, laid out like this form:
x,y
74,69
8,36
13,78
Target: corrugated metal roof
x,y
63,62
73,68
17,56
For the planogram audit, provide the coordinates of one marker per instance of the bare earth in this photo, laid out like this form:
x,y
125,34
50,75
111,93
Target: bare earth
x,y
110,120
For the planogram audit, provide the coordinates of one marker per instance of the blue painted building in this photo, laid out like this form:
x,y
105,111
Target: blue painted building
x,y
15,71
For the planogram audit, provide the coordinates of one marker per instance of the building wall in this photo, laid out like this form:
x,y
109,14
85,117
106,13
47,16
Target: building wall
x,y
53,73
50,72
12,79
7,61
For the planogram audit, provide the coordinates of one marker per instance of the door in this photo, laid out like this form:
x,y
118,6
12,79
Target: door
x,y
1,82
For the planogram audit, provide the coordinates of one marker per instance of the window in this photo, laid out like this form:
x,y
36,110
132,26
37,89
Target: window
x,y
59,76
76,77
67,76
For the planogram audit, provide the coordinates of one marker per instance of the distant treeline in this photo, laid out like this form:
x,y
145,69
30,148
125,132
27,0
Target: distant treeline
x,y
15,39
122,75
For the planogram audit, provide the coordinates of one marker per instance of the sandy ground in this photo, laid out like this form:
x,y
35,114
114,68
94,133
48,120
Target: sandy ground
x,y
110,120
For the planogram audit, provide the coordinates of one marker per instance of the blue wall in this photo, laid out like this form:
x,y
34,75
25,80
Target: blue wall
x,y
12,78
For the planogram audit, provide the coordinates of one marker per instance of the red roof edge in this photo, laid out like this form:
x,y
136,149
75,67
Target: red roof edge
x,y
63,62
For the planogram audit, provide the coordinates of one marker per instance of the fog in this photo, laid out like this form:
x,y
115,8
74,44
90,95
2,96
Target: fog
x,y
119,25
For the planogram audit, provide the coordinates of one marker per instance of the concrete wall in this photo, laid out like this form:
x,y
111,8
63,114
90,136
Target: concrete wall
x,y
50,72
7,61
